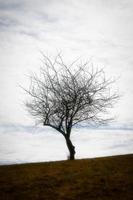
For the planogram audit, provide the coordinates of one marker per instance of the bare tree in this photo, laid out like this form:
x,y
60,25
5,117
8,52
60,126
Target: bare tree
x,y
63,96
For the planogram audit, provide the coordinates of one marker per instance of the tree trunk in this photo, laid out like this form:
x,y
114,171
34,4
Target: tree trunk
x,y
71,148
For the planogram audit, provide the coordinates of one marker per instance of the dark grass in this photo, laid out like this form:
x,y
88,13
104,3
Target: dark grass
x,y
109,178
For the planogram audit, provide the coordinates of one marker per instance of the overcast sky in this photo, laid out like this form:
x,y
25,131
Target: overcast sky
x,y
22,144
100,30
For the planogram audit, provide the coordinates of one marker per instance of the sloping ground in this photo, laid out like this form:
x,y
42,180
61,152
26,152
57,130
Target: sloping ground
x,y
109,178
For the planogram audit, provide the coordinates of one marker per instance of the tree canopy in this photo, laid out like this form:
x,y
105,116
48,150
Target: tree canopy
x,y
62,95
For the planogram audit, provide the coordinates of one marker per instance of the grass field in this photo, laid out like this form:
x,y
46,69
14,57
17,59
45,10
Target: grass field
x,y
109,178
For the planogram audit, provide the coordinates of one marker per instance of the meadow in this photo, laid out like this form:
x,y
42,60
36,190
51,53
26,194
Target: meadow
x,y
107,178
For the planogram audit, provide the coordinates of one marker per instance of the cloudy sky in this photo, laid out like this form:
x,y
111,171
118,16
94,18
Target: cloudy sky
x,y
22,144
100,30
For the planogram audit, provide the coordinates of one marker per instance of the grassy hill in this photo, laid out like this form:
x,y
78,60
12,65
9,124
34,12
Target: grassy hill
x,y
109,178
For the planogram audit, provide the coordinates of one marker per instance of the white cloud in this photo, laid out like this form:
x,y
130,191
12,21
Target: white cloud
x,y
99,29
31,144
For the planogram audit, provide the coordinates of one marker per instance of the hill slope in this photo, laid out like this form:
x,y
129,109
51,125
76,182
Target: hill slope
x,y
107,178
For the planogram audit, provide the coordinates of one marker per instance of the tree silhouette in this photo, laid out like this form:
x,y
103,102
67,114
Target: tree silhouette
x,y
65,95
